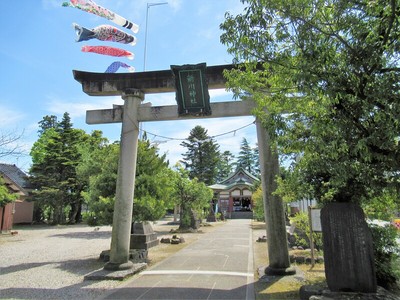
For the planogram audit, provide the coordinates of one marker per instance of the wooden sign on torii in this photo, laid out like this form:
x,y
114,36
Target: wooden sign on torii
x,y
132,87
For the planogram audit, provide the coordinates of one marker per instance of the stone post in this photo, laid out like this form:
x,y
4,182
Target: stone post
x,y
122,219
348,249
278,252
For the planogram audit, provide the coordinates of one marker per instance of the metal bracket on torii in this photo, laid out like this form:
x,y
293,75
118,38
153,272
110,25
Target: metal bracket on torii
x,y
132,87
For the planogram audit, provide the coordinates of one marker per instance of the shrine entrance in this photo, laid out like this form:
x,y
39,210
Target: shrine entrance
x,y
234,196
191,84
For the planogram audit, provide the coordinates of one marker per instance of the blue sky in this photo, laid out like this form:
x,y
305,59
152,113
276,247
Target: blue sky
x,y
38,53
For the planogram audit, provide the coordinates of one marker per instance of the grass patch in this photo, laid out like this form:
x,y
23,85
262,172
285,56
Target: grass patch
x,y
287,287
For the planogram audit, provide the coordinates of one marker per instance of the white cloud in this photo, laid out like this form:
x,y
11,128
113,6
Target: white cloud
x,y
161,99
49,4
216,95
10,118
208,34
59,106
175,4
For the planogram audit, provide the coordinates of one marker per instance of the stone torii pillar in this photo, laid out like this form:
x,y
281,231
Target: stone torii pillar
x,y
279,263
132,87
122,219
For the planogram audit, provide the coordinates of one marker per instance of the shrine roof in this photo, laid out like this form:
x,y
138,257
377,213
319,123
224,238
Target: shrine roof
x,y
15,175
238,178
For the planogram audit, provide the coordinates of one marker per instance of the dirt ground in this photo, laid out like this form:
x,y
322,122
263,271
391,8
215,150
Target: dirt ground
x,y
49,262
275,287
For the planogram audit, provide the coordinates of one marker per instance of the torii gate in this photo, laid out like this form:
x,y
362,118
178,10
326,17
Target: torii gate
x,y
132,87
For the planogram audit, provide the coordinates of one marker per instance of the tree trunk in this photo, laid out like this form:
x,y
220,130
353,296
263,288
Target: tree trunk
x,y
75,213
184,220
58,215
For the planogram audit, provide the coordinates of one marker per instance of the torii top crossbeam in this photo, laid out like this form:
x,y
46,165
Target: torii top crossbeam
x,y
113,84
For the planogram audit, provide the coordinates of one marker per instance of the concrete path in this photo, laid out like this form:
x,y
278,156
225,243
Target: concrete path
x,y
217,266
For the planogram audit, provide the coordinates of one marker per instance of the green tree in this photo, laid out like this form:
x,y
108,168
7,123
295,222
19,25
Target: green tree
x,y
153,184
247,157
55,157
258,204
46,123
5,195
191,195
202,156
100,166
225,165
256,155
97,160
328,74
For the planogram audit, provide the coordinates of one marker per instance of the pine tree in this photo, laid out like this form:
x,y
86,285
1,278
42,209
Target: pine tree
x,y
46,123
225,165
246,158
256,157
202,157
55,157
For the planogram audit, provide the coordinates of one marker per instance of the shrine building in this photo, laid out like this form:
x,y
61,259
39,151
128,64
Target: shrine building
x,y
233,195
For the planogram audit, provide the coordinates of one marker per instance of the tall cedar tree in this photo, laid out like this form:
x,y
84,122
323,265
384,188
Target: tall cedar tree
x,y
55,157
202,157
225,165
328,74
246,158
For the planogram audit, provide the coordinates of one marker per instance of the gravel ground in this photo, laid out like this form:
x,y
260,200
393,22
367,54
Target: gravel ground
x,y
49,262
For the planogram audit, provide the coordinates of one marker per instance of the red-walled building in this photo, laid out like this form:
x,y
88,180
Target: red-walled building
x,y
20,211
234,195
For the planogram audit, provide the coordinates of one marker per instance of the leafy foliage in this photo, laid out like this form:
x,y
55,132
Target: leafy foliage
x,y
258,204
100,166
153,184
384,206
328,74
191,195
386,253
5,195
302,231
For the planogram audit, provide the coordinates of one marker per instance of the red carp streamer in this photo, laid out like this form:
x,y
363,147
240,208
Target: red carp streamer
x,y
106,50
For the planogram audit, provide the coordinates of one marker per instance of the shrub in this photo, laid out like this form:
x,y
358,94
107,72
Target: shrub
x,y
258,205
387,253
302,231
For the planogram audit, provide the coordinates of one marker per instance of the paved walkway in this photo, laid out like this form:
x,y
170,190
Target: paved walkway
x,y
217,266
